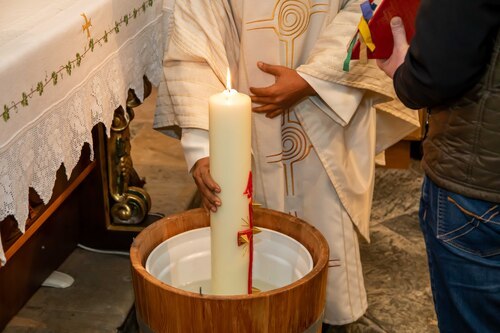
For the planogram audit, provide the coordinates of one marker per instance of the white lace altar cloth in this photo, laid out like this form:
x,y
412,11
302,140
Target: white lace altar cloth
x,y
59,79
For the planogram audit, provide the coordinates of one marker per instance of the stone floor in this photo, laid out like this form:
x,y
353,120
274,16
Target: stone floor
x,y
394,263
101,297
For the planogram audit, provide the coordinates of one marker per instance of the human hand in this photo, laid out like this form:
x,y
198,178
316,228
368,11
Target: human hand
x,y
391,64
206,185
288,89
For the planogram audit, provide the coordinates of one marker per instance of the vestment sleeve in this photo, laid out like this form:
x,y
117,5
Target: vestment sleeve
x,y
338,101
195,145
203,43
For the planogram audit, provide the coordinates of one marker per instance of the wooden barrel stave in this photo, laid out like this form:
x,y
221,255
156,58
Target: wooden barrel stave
x,y
292,308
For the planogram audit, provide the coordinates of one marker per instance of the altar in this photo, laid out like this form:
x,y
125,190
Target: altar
x,y
65,67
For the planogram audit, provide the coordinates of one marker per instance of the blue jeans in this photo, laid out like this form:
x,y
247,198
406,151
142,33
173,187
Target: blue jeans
x,y
462,237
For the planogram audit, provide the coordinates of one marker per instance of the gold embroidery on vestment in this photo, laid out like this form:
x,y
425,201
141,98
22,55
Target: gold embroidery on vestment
x,y
289,20
295,147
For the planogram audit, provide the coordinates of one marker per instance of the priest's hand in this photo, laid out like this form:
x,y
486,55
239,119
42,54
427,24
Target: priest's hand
x,y
390,65
206,185
288,89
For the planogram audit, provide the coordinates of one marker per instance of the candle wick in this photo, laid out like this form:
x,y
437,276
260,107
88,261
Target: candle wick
x,y
228,92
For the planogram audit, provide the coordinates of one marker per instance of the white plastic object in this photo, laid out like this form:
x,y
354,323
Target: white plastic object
x,y
183,261
58,280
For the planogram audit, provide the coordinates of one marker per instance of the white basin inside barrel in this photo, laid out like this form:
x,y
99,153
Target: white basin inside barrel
x,y
184,261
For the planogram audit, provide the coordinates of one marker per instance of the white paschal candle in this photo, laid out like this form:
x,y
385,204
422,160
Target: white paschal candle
x,y
230,165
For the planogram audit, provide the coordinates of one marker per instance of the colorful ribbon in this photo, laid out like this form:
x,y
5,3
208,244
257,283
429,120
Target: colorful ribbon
x,y
347,60
363,52
364,35
367,10
246,236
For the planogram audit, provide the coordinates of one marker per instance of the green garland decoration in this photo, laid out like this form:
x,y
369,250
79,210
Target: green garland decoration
x,y
73,63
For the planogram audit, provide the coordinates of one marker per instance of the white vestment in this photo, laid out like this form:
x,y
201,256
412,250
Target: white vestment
x,y
317,161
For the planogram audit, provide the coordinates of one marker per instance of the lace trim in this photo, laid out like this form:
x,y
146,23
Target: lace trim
x,y
33,157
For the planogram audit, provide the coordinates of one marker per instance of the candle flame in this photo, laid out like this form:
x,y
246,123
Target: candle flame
x,y
228,80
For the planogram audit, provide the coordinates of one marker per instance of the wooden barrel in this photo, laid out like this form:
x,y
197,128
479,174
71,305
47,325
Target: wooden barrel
x,y
294,308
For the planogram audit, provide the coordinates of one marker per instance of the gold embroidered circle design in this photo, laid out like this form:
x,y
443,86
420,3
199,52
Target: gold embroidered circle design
x,y
295,146
293,17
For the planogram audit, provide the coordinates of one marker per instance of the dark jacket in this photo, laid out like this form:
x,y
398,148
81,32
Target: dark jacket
x,y
453,69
